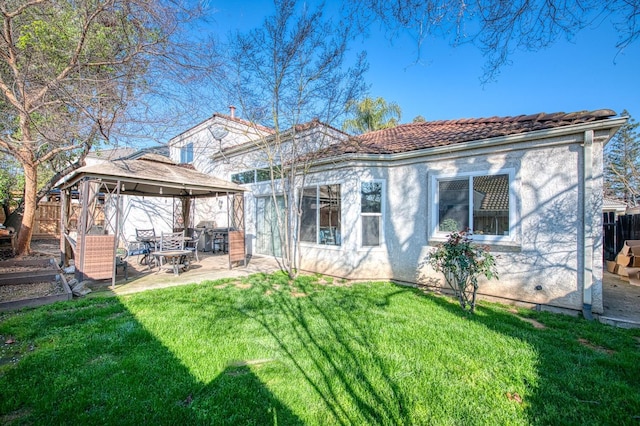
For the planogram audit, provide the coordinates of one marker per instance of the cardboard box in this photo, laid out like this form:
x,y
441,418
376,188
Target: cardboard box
x,y
623,260
635,262
627,247
634,275
628,272
612,266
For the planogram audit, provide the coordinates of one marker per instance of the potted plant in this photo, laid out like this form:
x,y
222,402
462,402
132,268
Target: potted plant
x,y
462,263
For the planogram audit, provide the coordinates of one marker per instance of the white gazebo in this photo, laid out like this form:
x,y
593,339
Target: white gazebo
x,y
94,234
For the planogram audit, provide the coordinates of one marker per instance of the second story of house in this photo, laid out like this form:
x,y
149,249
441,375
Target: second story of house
x,y
214,135
239,150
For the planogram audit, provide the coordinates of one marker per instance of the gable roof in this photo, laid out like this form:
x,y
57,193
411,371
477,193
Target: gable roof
x,y
221,119
301,129
429,134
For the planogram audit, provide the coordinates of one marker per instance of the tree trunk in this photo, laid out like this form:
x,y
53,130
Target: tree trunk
x,y
30,205
14,218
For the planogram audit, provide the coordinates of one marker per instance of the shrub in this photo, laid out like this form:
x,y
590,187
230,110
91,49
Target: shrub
x,y
462,263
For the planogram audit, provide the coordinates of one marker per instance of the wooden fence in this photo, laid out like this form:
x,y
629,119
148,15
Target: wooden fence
x,y
47,223
617,231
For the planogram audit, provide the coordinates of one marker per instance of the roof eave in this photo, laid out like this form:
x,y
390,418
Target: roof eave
x,y
612,124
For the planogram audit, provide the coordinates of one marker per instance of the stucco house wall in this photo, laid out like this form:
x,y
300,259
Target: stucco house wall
x,y
538,262
551,254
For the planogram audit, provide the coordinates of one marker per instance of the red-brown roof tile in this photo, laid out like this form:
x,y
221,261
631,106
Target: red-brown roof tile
x,y
415,136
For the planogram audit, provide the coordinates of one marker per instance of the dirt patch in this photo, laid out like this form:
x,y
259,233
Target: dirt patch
x,y
14,269
13,292
33,277
588,344
514,397
534,323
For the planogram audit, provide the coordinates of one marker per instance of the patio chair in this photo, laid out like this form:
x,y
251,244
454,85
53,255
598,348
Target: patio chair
x,y
148,241
191,243
171,242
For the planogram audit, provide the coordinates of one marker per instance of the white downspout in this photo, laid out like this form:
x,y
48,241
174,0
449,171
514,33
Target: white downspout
x,y
587,214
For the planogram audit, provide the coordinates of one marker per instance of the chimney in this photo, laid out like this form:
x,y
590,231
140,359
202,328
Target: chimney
x,y
232,111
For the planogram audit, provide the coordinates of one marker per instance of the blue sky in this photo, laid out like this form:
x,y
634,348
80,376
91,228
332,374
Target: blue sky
x,y
587,73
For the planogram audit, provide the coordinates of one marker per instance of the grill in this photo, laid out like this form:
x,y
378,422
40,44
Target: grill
x,y
206,237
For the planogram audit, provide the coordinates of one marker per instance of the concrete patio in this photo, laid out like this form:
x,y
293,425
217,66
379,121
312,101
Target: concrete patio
x,y
209,267
621,302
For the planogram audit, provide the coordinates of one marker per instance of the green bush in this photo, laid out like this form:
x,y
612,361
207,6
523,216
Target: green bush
x,y
462,263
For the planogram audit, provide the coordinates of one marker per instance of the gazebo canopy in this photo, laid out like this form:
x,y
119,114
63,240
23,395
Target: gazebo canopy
x,y
155,176
151,175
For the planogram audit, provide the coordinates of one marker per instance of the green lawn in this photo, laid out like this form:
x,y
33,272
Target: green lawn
x,y
266,351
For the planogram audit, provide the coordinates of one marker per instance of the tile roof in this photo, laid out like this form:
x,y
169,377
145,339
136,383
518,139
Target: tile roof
x,y
415,136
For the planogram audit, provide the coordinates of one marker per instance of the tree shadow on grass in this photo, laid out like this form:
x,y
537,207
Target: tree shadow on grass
x,y
91,362
587,372
238,397
332,348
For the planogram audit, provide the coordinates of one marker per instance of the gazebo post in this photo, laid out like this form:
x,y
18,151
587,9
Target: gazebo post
x,y
236,239
230,207
64,213
82,229
117,232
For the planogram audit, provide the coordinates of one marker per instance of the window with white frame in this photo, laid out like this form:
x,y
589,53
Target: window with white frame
x,y
480,203
257,175
186,153
321,215
371,213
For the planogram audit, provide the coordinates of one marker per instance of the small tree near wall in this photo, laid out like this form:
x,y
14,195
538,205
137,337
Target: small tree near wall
x,y
462,263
